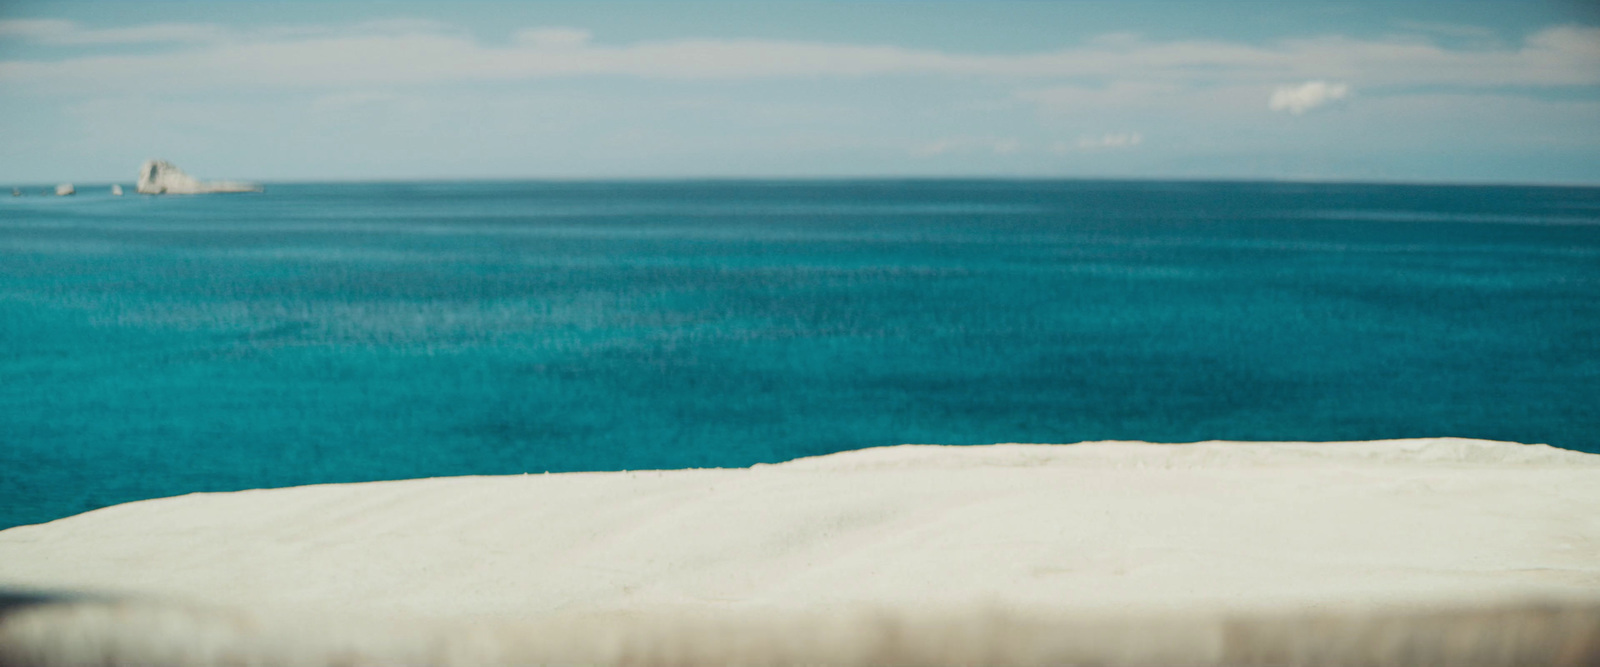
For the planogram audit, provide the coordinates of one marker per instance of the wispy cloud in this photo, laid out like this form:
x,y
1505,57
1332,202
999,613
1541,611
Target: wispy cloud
x,y
1298,99
1450,29
51,31
419,53
1111,140
1095,143
554,38
967,145
562,100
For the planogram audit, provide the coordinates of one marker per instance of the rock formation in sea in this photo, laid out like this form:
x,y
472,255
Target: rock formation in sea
x,y
65,189
158,177
116,190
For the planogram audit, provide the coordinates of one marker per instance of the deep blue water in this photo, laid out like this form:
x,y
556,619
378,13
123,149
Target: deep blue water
x,y
339,332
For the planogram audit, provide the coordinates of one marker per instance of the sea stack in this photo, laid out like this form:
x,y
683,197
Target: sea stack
x,y
116,190
159,177
65,189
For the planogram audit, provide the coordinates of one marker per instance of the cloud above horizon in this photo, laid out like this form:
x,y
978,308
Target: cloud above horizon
x,y
374,96
427,52
1111,140
1306,96
59,32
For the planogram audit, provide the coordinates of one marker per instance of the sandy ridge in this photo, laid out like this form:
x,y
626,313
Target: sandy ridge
x,y
1090,527
1026,554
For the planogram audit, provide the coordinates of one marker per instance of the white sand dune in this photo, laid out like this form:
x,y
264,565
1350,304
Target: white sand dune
x,y
940,541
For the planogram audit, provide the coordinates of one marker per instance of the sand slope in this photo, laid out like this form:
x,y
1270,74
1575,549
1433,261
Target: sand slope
x,y
1097,530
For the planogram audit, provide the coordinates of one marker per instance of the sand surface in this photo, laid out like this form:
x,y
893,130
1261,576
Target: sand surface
x,y
1091,526
1108,529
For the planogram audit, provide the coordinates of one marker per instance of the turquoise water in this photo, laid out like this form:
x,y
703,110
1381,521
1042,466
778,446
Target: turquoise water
x,y
352,332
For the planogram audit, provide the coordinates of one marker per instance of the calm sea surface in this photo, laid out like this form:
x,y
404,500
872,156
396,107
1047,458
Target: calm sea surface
x,y
339,333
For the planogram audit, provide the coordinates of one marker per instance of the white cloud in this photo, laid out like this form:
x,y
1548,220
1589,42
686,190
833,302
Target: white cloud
x,y
401,26
1449,29
1092,143
344,92
1113,140
49,31
1304,97
967,145
34,28
554,38
421,53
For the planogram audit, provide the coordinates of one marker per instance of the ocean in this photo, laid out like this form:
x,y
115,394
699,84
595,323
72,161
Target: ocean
x,y
155,346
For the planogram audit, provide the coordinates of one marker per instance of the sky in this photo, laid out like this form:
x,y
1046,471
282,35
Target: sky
x,y
297,90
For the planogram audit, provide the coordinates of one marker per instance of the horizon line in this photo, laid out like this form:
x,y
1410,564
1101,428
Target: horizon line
x,y
872,178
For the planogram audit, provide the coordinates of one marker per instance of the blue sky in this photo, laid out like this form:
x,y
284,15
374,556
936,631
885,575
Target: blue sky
x,y
1469,91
